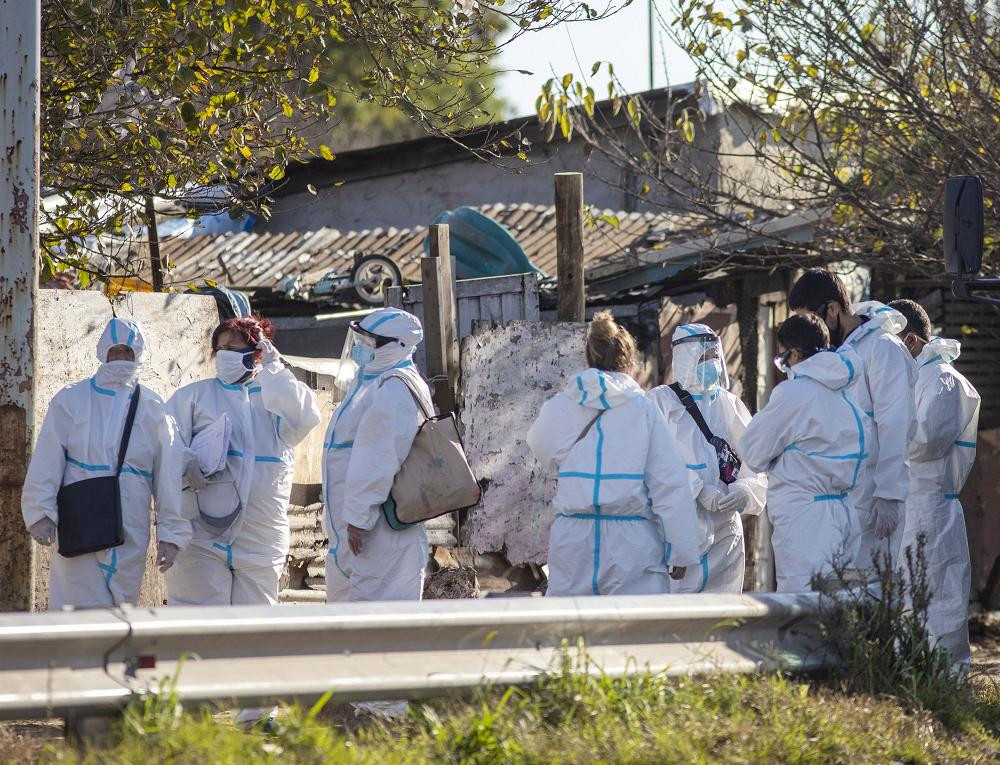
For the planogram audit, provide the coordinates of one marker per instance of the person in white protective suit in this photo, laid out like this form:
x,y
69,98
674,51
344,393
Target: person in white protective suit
x,y
368,438
885,394
810,441
625,519
80,439
699,368
239,513
941,456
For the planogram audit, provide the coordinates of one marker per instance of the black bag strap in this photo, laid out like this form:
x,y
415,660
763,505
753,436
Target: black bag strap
x,y
129,420
693,410
586,430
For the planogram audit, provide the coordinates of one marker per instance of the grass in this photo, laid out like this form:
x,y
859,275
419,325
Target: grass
x,y
576,718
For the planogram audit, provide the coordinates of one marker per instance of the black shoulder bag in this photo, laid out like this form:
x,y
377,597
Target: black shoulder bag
x,y
90,511
729,463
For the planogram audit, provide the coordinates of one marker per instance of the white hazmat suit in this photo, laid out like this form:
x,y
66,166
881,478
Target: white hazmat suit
x,y
885,394
723,556
241,564
368,438
79,439
624,511
941,456
810,439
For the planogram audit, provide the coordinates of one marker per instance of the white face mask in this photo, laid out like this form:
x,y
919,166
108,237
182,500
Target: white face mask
x,y
231,366
118,371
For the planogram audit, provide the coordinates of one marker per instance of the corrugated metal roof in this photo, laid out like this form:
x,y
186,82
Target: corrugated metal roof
x,y
249,259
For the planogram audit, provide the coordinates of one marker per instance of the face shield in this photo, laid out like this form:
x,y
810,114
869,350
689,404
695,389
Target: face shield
x,y
359,351
698,361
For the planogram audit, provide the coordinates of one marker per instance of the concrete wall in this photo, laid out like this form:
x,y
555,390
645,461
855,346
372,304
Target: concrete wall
x,y
177,328
503,389
416,197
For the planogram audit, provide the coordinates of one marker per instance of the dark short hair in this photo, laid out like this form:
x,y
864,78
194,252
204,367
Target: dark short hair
x,y
805,333
817,287
917,320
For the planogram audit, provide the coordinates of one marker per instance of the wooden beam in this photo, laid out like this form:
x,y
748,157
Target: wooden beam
x,y
436,332
440,246
569,246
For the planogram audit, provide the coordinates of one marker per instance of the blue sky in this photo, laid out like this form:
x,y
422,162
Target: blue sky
x,y
621,39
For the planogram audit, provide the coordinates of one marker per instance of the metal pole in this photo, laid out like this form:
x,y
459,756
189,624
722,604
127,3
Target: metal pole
x,y
651,14
20,44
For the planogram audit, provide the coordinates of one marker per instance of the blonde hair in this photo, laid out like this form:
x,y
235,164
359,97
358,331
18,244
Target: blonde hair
x,y
610,347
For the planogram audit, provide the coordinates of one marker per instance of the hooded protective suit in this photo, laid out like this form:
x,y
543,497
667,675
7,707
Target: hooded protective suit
x,y
79,439
810,439
368,438
624,511
242,563
885,394
722,552
941,456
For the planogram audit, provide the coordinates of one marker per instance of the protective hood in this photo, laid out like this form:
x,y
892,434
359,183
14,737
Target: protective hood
x,y
121,332
596,389
692,370
939,349
881,316
833,369
403,328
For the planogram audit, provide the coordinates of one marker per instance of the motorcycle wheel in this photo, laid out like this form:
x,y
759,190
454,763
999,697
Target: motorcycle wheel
x,y
372,275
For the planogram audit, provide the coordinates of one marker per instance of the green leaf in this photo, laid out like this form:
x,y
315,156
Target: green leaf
x,y
566,80
301,10
326,153
188,112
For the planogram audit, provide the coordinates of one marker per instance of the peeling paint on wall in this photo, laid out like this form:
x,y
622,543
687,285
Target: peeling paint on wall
x,y
507,374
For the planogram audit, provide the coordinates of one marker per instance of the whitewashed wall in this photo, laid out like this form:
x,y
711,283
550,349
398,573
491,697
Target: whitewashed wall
x,y
507,374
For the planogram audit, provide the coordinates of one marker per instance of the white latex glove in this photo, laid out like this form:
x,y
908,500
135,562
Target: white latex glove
x,y
887,517
193,475
43,531
709,498
166,554
738,498
268,353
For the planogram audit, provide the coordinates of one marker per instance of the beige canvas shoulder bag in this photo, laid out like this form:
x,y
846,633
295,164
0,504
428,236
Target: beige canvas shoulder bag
x,y
435,478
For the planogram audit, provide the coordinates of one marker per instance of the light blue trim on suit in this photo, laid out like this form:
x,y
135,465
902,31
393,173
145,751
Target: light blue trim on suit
x,y
950,495
109,569
604,390
102,391
227,386
704,572
599,517
85,466
137,471
604,476
699,466
228,550
255,389
268,459
966,444
383,320
234,453
583,391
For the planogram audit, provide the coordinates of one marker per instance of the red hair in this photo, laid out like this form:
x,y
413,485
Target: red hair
x,y
251,329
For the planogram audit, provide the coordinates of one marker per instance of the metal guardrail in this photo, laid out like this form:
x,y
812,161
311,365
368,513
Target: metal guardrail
x,y
89,662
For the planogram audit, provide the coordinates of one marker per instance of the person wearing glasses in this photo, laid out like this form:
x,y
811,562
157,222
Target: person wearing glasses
x,y
809,439
885,393
706,419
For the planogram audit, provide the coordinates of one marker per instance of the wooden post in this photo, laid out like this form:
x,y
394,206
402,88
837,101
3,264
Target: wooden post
x,y
572,304
155,264
440,242
436,320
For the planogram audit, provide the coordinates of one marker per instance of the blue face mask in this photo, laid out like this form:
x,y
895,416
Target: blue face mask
x,y
709,373
362,356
